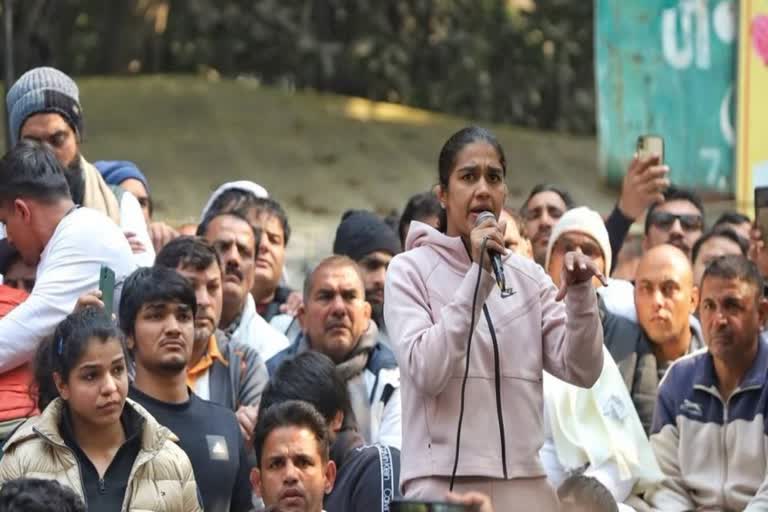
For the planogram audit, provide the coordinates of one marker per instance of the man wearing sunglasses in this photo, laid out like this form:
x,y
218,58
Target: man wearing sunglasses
x,y
678,221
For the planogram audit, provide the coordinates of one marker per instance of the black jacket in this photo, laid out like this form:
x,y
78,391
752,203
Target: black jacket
x,y
367,478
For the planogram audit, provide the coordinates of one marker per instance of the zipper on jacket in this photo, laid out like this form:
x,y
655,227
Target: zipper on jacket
x,y
72,452
497,379
724,439
723,436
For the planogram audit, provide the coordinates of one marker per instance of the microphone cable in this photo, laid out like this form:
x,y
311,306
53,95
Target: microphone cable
x,y
466,366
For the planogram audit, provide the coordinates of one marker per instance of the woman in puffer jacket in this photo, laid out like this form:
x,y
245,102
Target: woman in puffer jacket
x,y
108,449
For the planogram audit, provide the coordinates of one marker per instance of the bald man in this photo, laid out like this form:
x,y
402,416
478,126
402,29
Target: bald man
x,y
665,299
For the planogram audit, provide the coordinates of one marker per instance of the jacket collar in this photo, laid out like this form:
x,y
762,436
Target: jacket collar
x,y
212,354
153,435
366,343
450,248
755,377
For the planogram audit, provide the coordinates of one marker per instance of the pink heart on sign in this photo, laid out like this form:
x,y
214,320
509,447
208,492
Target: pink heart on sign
x,y
760,37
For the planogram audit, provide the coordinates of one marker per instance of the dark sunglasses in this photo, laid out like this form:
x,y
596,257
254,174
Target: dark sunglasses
x,y
665,220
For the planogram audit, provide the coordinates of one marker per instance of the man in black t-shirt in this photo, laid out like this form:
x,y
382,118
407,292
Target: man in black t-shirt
x,y
368,477
157,314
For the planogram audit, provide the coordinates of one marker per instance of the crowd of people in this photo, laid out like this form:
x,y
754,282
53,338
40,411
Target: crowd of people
x,y
524,360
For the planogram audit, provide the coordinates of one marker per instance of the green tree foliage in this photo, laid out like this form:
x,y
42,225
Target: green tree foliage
x,y
485,59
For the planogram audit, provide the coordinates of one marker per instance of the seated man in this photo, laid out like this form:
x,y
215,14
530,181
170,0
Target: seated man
x,y
718,241
237,241
365,238
709,428
665,298
423,207
598,427
227,373
736,221
677,220
336,321
541,210
157,315
367,477
293,468
67,245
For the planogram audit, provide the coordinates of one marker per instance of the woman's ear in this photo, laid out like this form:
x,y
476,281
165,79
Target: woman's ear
x,y
61,386
439,191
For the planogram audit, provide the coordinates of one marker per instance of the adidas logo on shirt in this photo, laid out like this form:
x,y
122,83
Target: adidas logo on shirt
x,y
217,447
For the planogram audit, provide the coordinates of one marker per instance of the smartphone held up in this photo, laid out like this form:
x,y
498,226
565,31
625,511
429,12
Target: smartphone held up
x,y
650,145
761,211
107,288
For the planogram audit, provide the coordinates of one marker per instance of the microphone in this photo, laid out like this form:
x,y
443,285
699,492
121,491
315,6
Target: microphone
x,y
498,269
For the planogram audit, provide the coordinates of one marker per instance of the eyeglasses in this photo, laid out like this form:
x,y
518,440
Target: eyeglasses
x,y
665,220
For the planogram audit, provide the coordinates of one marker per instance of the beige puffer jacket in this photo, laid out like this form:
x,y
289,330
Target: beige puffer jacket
x,y
161,478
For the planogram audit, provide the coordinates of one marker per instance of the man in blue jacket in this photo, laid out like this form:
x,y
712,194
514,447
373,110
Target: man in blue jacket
x,y
709,428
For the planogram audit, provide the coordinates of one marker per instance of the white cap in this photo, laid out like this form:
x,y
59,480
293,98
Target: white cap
x,y
585,221
244,185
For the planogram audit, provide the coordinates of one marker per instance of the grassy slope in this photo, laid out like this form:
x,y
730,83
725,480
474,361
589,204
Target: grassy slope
x,y
318,154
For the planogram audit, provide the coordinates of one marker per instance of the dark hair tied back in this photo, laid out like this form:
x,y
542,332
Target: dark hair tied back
x,y
451,149
61,353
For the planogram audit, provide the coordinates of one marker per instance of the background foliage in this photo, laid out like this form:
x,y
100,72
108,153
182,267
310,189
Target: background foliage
x,y
513,61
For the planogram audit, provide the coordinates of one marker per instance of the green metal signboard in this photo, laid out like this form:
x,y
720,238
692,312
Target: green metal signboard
x,y
668,67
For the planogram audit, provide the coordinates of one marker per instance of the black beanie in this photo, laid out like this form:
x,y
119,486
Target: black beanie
x,y
362,232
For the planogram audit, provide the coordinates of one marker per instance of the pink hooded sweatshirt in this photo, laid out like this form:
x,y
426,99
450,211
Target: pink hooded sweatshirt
x,y
429,291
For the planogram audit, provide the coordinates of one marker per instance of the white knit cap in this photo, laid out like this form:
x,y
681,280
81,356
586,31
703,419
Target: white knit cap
x,y
244,185
585,221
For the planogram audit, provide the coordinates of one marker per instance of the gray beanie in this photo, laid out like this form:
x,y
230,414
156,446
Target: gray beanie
x,y
43,90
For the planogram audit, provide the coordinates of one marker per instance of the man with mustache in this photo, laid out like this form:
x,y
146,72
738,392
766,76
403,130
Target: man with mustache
x,y
44,105
237,242
227,373
269,291
709,428
541,211
677,220
367,476
293,471
336,320
369,241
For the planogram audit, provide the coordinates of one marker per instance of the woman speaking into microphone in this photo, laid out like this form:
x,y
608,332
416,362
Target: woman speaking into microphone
x,y
471,355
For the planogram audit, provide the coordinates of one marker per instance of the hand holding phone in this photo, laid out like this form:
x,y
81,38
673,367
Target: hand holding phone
x,y
646,179
107,288
650,145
